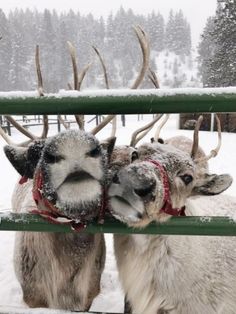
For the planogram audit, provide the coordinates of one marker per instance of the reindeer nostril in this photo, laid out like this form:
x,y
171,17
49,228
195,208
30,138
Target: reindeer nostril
x,y
146,191
139,215
116,179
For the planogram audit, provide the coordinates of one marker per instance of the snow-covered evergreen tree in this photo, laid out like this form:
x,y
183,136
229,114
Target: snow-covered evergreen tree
x,y
218,62
5,52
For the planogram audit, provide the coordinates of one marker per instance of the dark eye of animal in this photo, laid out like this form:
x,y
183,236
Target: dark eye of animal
x,y
95,152
187,178
134,156
51,158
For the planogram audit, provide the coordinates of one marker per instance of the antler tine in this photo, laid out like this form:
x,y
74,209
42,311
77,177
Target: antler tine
x,y
39,73
214,152
6,138
74,63
114,120
63,122
158,131
147,128
152,76
145,47
196,138
77,83
114,126
102,124
45,127
80,121
40,91
103,66
20,128
82,75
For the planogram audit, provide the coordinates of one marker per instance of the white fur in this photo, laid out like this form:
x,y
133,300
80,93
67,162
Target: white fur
x,y
62,270
181,274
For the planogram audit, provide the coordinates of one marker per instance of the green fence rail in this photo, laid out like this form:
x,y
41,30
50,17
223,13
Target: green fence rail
x,y
212,226
121,102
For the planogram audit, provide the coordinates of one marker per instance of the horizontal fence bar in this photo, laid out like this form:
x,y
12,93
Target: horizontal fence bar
x,y
212,226
121,101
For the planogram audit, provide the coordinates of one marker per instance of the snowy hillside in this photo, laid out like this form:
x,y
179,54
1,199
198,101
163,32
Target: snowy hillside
x,y
176,71
111,298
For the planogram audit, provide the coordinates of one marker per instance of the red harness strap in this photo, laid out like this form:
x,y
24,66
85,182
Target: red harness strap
x,y
167,207
52,214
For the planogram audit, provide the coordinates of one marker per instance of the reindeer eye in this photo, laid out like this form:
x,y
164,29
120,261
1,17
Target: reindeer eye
x,y
52,159
187,178
134,156
95,152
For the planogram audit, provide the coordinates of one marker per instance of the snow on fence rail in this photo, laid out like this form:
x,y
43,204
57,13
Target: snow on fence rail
x,y
121,101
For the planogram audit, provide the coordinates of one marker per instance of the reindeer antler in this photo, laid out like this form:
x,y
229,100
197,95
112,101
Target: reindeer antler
x,y
78,79
158,131
145,47
214,151
114,119
103,66
18,126
40,91
153,77
143,130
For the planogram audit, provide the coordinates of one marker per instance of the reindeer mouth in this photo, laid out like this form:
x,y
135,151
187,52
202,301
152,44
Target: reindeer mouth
x,y
122,200
77,177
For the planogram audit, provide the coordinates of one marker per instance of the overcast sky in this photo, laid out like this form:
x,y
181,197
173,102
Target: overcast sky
x,y
196,11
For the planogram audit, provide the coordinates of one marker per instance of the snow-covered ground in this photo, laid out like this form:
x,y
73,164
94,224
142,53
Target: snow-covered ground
x,y
111,297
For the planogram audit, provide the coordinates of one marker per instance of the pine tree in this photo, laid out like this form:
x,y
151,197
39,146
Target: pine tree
x,y
156,31
170,32
206,51
48,50
5,49
218,68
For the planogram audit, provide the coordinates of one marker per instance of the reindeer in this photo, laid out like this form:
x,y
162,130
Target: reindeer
x,y
64,178
171,274
60,270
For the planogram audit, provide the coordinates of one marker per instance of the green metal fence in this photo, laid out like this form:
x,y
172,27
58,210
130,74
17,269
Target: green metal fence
x,y
123,102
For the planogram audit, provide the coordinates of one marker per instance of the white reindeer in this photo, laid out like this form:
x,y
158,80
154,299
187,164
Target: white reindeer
x,y
172,274
67,173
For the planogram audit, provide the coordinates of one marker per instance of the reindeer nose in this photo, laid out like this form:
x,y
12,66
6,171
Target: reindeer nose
x,y
116,179
147,191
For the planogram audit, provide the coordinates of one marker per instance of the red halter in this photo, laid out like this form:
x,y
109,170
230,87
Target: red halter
x,y
52,214
167,207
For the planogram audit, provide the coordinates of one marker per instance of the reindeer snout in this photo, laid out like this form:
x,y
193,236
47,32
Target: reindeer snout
x,y
147,192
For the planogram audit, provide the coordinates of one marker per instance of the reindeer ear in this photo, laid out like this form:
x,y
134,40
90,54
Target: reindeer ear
x,y
17,157
25,159
109,145
213,184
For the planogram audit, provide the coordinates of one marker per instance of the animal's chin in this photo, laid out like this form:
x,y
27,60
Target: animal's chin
x,y
79,199
79,192
83,212
122,210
